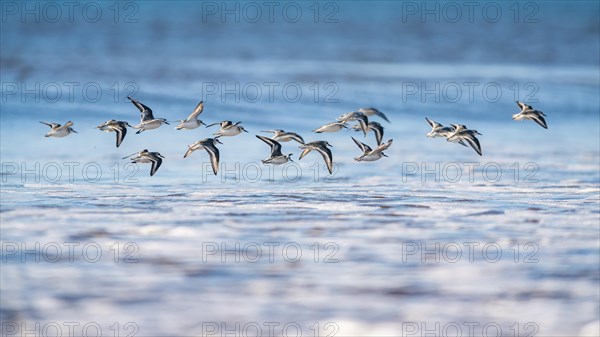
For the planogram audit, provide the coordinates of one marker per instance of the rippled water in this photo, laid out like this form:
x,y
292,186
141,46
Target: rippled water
x,y
434,234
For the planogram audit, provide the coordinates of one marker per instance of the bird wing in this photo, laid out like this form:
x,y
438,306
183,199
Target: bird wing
x,y
363,147
327,156
197,111
296,137
383,147
145,111
213,152
121,131
156,162
51,125
275,146
474,142
540,120
378,130
304,152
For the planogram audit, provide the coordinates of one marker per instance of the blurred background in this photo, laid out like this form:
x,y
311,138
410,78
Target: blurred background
x,y
296,66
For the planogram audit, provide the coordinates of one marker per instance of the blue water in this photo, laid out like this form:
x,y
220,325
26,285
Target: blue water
x,y
378,240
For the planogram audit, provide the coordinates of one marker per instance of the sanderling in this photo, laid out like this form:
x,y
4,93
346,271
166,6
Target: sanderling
x,y
377,130
57,130
356,116
148,122
210,145
528,112
438,130
192,121
331,127
368,153
276,157
282,136
147,157
321,147
228,128
373,111
119,127
461,133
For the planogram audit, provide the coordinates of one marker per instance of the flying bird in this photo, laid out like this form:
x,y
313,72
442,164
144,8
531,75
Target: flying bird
x,y
118,127
57,130
528,112
147,120
276,158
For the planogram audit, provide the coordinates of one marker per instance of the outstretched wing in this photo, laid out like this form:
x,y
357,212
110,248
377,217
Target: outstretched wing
x,y
213,153
378,130
327,156
121,131
304,152
52,125
296,137
474,142
364,123
197,111
275,146
540,120
156,162
385,146
146,112
363,147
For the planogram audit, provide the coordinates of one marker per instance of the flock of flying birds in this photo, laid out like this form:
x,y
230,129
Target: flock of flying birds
x,y
456,133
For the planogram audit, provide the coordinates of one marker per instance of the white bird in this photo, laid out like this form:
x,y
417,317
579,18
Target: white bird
x,y
438,130
321,147
144,156
210,145
228,129
119,127
369,154
147,122
331,127
57,130
373,111
192,121
356,116
276,158
282,136
528,112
